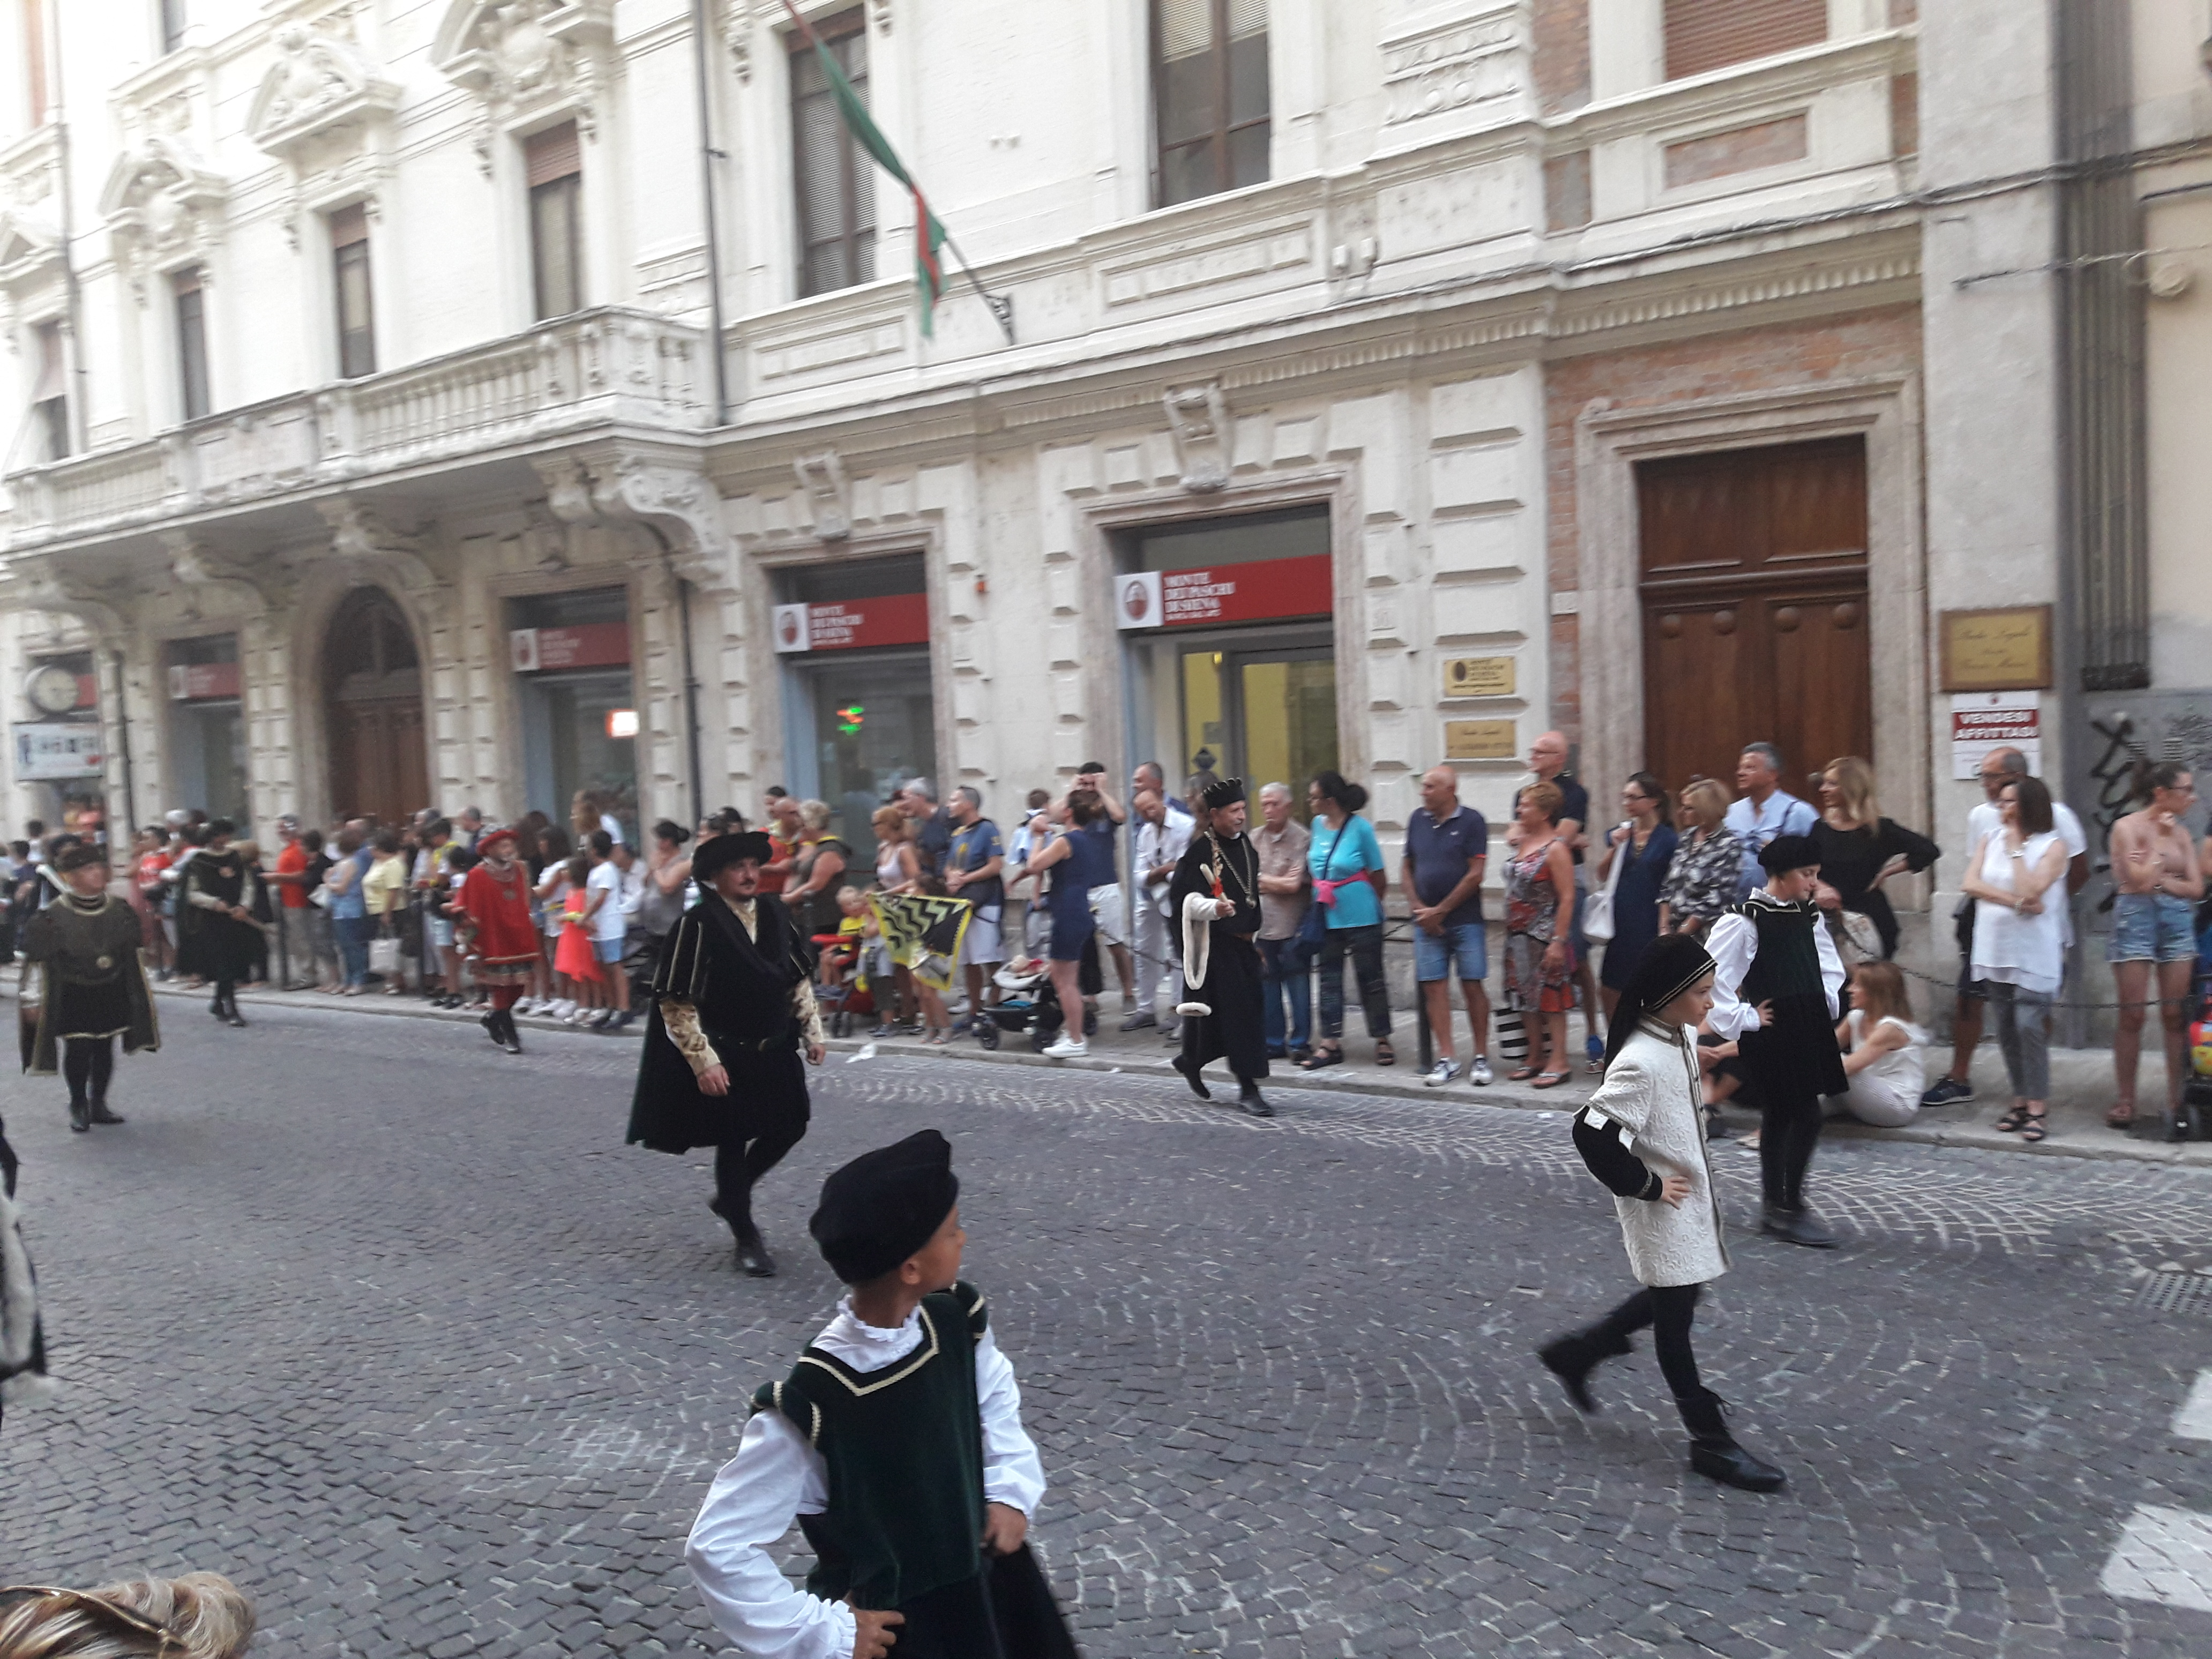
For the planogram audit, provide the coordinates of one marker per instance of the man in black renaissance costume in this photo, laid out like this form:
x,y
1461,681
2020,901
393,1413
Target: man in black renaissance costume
x,y
1215,895
217,916
733,1005
93,989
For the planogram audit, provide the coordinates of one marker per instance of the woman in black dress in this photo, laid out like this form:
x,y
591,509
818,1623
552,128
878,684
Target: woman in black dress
x,y
1860,849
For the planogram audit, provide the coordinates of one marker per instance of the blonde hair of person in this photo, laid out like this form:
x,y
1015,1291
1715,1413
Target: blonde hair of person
x,y
815,815
1706,802
889,823
1878,988
1855,783
201,1615
1546,798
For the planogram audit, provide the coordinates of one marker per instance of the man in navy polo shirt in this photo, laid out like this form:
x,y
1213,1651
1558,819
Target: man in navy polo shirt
x,y
1446,846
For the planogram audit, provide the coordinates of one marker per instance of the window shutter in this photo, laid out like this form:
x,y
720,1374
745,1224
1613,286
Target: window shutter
x,y
552,154
348,225
1187,26
1710,35
53,379
1247,18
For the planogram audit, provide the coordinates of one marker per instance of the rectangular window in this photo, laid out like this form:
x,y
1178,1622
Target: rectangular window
x,y
554,165
1710,35
350,276
1209,96
173,24
191,343
50,396
34,58
835,179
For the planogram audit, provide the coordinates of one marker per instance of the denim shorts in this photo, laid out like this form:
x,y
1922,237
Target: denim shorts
x,y
2152,927
1463,943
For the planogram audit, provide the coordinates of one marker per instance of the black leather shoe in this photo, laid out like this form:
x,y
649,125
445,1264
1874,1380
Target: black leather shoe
x,y
1795,1227
1713,1451
234,1017
753,1259
490,1022
1255,1104
1573,1357
100,1115
80,1117
1182,1063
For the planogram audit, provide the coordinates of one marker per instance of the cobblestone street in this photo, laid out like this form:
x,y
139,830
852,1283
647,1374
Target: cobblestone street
x,y
392,1328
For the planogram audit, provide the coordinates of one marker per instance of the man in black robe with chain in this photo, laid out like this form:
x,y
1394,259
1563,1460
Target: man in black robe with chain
x,y
732,1005
93,988
1215,897
218,911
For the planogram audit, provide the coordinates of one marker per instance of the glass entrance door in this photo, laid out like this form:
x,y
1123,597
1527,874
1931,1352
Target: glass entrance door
x,y
1266,715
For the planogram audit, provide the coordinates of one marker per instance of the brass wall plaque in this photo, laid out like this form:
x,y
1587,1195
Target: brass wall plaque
x,y
1479,676
1480,740
2000,650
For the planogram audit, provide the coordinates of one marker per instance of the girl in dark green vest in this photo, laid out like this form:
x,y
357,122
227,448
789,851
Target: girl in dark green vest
x,y
896,1444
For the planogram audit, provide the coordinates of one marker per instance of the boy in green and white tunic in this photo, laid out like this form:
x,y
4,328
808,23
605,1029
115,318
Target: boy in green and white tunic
x,y
896,1444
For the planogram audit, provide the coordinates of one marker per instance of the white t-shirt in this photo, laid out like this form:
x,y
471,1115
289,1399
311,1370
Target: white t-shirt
x,y
608,921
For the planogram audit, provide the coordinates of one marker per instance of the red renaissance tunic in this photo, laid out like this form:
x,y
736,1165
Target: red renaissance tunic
x,y
502,938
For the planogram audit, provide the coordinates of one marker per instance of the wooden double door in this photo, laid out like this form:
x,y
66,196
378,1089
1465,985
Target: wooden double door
x,y
1754,599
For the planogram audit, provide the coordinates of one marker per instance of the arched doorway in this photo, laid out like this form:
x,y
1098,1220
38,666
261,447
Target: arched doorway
x,y
373,700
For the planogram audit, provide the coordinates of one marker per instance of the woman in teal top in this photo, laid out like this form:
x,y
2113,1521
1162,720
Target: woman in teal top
x,y
1347,861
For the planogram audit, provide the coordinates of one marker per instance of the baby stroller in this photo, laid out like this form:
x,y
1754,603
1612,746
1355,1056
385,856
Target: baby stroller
x,y
2194,1115
1030,1004
839,991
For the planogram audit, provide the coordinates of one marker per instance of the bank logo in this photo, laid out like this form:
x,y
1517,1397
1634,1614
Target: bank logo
x,y
791,632
1137,599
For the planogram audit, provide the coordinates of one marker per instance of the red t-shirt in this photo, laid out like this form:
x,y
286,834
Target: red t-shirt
x,y
149,871
781,851
293,861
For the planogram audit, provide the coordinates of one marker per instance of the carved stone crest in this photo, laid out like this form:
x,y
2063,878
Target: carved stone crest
x,y
822,477
1198,421
527,58
164,210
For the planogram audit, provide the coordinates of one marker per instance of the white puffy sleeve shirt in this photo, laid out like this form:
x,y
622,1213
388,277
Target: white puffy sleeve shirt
x,y
1732,942
776,1477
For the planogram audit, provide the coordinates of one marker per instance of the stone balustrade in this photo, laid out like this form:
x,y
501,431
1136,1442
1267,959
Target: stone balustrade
x,y
598,367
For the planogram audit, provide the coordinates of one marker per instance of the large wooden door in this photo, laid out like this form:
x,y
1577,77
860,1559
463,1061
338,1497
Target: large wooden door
x,y
1754,599
379,760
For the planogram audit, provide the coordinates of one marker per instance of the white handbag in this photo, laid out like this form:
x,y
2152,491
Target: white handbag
x,y
1597,914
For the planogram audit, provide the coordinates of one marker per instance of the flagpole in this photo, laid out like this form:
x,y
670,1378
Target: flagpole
x,y
1001,306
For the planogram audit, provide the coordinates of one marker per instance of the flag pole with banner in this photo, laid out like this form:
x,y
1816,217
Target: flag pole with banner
x,y
929,232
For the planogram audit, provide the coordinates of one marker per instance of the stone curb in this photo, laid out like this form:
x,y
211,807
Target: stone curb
x,y
1976,1137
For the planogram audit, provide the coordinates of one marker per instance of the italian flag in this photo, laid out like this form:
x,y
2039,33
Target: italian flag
x,y
928,230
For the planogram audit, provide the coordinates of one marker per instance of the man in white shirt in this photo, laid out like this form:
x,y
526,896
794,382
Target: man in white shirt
x,y
1162,837
1999,767
1764,810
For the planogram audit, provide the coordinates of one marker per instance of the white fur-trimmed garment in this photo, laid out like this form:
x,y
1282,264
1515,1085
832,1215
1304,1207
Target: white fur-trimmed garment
x,y
19,1294
1651,1089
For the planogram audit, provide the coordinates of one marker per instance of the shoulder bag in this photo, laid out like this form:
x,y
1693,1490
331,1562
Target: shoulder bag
x,y
1597,913
1313,927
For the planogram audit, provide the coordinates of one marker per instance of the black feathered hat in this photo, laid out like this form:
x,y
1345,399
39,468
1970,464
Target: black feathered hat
x,y
1222,792
885,1206
719,853
1786,853
1670,965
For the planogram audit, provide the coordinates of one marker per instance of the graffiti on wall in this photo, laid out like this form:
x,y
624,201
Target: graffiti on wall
x,y
2125,730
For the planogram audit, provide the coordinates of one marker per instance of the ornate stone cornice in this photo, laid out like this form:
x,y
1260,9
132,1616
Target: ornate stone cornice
x,y
163,208
666,488
528,58
360,536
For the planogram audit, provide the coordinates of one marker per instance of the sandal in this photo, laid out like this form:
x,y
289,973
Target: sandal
x,y
2120,1117
2013,1122
1322,1057
1384,1053
1524,1074
2034,1130
1551,1079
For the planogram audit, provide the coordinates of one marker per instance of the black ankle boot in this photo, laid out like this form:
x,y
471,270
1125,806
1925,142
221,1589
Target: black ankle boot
x,y
1573,1357
1182,1063
100,1115
80,1117
1253,1102
1713,1451
510,1038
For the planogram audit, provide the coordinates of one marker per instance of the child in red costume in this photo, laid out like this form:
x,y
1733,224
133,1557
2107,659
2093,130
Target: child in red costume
x,y
501,940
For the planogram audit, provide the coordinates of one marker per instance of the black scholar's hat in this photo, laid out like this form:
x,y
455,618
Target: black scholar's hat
x,y
885,1206
79,856
1223,792
1786,853
720,852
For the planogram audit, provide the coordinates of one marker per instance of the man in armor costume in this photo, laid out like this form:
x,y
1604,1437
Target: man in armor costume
x,y
85,946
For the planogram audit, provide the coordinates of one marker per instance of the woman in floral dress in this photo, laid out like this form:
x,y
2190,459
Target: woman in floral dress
x,y
1539,962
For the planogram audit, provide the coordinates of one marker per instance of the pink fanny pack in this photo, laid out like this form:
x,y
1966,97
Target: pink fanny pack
x,y
1325,891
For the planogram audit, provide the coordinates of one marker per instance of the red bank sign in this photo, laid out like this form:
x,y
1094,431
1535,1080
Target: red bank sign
x,y
1261,591
854,624
202,682
588,645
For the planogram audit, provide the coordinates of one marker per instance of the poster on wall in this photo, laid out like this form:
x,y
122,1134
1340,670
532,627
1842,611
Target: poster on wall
x,y
1983,720
54,750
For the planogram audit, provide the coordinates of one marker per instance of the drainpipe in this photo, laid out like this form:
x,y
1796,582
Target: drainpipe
x,y
690,675
80,399
707,156
123,747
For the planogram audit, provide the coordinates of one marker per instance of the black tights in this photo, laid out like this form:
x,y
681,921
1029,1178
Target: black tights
x,y
738,1163
1789,1130
226,996
88,1063
1667,1309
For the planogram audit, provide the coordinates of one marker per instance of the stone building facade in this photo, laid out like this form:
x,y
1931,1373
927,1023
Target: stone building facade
x,y
1371,398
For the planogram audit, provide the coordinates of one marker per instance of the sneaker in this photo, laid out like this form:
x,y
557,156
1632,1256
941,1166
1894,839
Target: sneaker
x,y
1478,1072
1064,1047
1444,1071
1139,1020
1948,1092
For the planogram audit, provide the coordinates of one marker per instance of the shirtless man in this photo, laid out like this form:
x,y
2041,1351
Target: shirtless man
x,y
2158,880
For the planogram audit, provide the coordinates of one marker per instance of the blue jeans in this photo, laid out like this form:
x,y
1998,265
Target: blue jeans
x,y
1277,981
354,935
